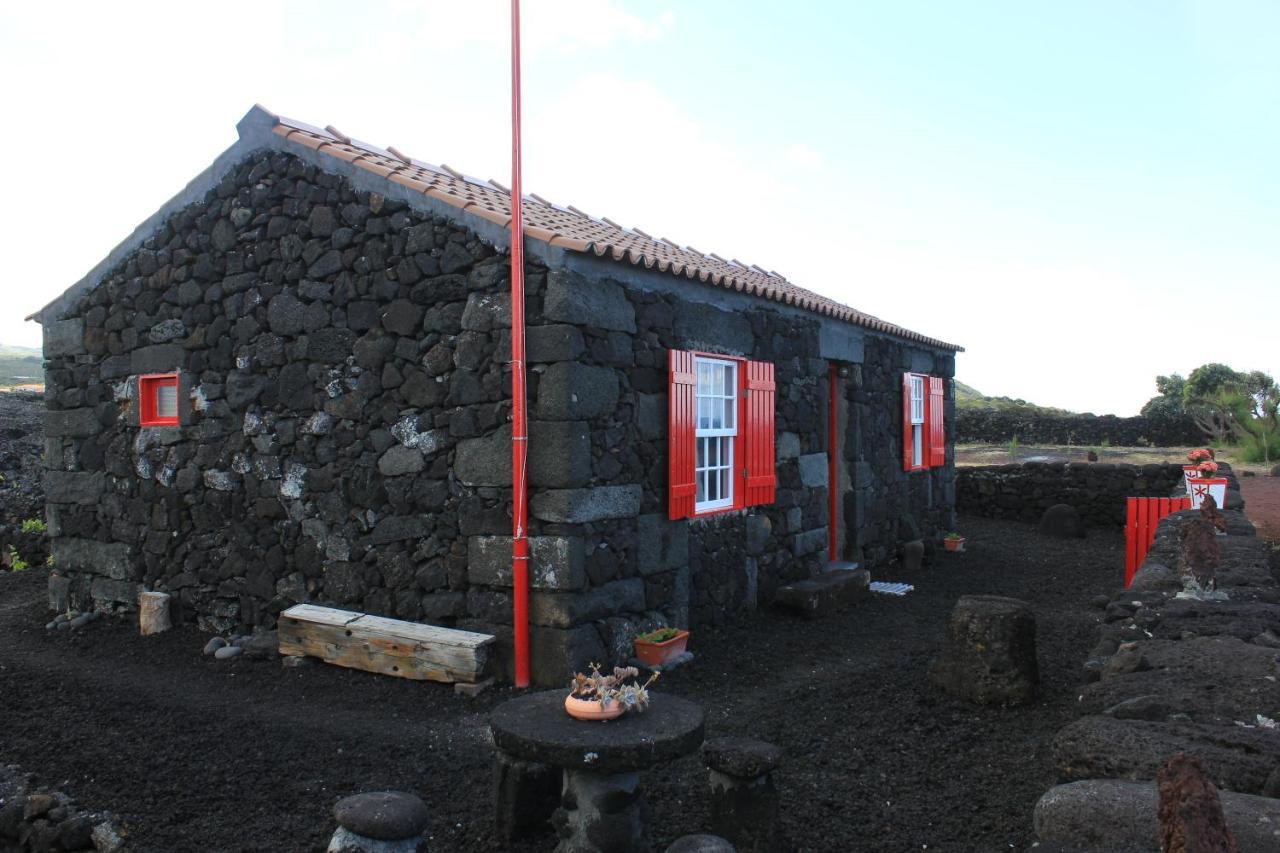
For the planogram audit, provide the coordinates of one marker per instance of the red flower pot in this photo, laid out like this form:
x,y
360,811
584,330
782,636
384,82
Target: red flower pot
x,y
953,544
655,654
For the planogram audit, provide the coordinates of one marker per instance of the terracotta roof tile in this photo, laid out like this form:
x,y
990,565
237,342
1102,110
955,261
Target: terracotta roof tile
x,y
575,230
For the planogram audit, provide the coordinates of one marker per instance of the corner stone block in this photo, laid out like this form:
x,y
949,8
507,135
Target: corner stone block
x,y
555,654
662,545
565,610
813,469
64,337
161,358
559,454
788,446
73,487
578,506
570,391
555,562
75,423
110,559
558,342
570,298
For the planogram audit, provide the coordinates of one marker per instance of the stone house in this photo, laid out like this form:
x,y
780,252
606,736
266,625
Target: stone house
x,y
291,384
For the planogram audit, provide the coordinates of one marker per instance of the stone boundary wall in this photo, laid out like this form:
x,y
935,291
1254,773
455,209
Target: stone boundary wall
x,y
1097,490
1174,674
36,818
986,427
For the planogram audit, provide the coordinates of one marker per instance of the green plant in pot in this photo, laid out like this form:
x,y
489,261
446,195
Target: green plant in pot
x,y
661,646
953,541
599,696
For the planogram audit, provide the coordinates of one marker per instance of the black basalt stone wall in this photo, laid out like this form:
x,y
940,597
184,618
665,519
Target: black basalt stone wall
x,y
344,431
984,427
889,505
337,353
1096,489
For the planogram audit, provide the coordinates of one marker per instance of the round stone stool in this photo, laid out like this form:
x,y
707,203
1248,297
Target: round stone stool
x,y
379,822
744,801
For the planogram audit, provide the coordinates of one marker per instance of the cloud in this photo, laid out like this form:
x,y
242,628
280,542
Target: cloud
x,y
802,156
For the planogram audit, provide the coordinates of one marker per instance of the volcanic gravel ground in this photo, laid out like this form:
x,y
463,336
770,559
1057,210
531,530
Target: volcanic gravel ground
x,y
241,755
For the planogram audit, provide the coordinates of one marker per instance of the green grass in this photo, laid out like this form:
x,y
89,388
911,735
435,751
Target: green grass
x,y
34,525
20,366
968,397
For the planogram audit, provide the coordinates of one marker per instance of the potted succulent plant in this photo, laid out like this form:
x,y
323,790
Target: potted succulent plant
x,y
660,646
953,541
596,696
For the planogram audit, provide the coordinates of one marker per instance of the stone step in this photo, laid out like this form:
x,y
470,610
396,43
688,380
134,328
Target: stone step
x,y
826,593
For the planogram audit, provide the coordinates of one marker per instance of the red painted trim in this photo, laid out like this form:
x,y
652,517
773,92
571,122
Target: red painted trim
x,y
833,424
148,387
519,394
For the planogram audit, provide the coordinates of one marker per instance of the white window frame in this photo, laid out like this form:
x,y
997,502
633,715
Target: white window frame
x,y
917,386
712,441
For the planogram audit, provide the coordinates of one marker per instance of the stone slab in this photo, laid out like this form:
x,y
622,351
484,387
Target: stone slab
x,y
825,594
555,562
578,506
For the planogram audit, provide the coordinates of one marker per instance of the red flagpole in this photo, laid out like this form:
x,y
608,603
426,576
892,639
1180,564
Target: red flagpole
x,y
519,396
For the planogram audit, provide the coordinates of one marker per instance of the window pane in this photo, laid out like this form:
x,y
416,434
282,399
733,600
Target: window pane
x,y
725,488
704,378
730,409
167,401
701,495
702,453
917,445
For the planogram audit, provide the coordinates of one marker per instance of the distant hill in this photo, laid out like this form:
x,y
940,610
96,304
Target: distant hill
x,y
968,397
20,366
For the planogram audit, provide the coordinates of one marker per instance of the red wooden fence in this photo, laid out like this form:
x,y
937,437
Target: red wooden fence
x,y
1143,514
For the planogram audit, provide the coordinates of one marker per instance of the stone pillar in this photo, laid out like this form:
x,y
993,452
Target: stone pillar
x,y
600,811
990,652
744,801
379,822
525,795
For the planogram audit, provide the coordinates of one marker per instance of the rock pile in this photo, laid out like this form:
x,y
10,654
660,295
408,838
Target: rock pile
x,y
35,818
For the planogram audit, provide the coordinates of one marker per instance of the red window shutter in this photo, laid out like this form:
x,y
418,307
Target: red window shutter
x,y
681,421
757,426
937,429
906,422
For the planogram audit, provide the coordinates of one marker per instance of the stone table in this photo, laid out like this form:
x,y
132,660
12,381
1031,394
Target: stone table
x,y
601,804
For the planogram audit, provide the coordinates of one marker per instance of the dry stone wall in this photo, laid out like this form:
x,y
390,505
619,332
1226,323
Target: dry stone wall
x,y
1097,490
979,426
344,432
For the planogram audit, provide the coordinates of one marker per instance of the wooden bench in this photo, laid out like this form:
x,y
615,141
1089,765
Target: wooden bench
x,y
389,646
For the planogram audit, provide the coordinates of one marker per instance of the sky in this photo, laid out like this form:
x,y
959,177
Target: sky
x,y
1083,195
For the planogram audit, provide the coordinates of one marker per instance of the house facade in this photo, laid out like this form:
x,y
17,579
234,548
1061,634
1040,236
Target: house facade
x,y
292,384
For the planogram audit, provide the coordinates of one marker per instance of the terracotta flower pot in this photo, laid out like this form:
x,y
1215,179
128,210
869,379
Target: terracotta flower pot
x,y
655,654
953,544
592,709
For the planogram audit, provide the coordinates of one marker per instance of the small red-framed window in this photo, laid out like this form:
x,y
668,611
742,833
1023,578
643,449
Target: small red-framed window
x,y
158,399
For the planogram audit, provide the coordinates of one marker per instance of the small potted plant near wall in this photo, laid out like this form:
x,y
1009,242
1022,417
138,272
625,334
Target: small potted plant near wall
x,y
661,646
953,541
596,696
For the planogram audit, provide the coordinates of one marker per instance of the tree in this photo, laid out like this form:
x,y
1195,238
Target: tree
x,y
1211,396
1257,413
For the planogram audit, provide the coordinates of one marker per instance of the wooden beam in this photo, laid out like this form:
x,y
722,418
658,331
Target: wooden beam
x,y
389,646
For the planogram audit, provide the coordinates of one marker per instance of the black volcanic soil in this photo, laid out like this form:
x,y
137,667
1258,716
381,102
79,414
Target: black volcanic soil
x,y
243,755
